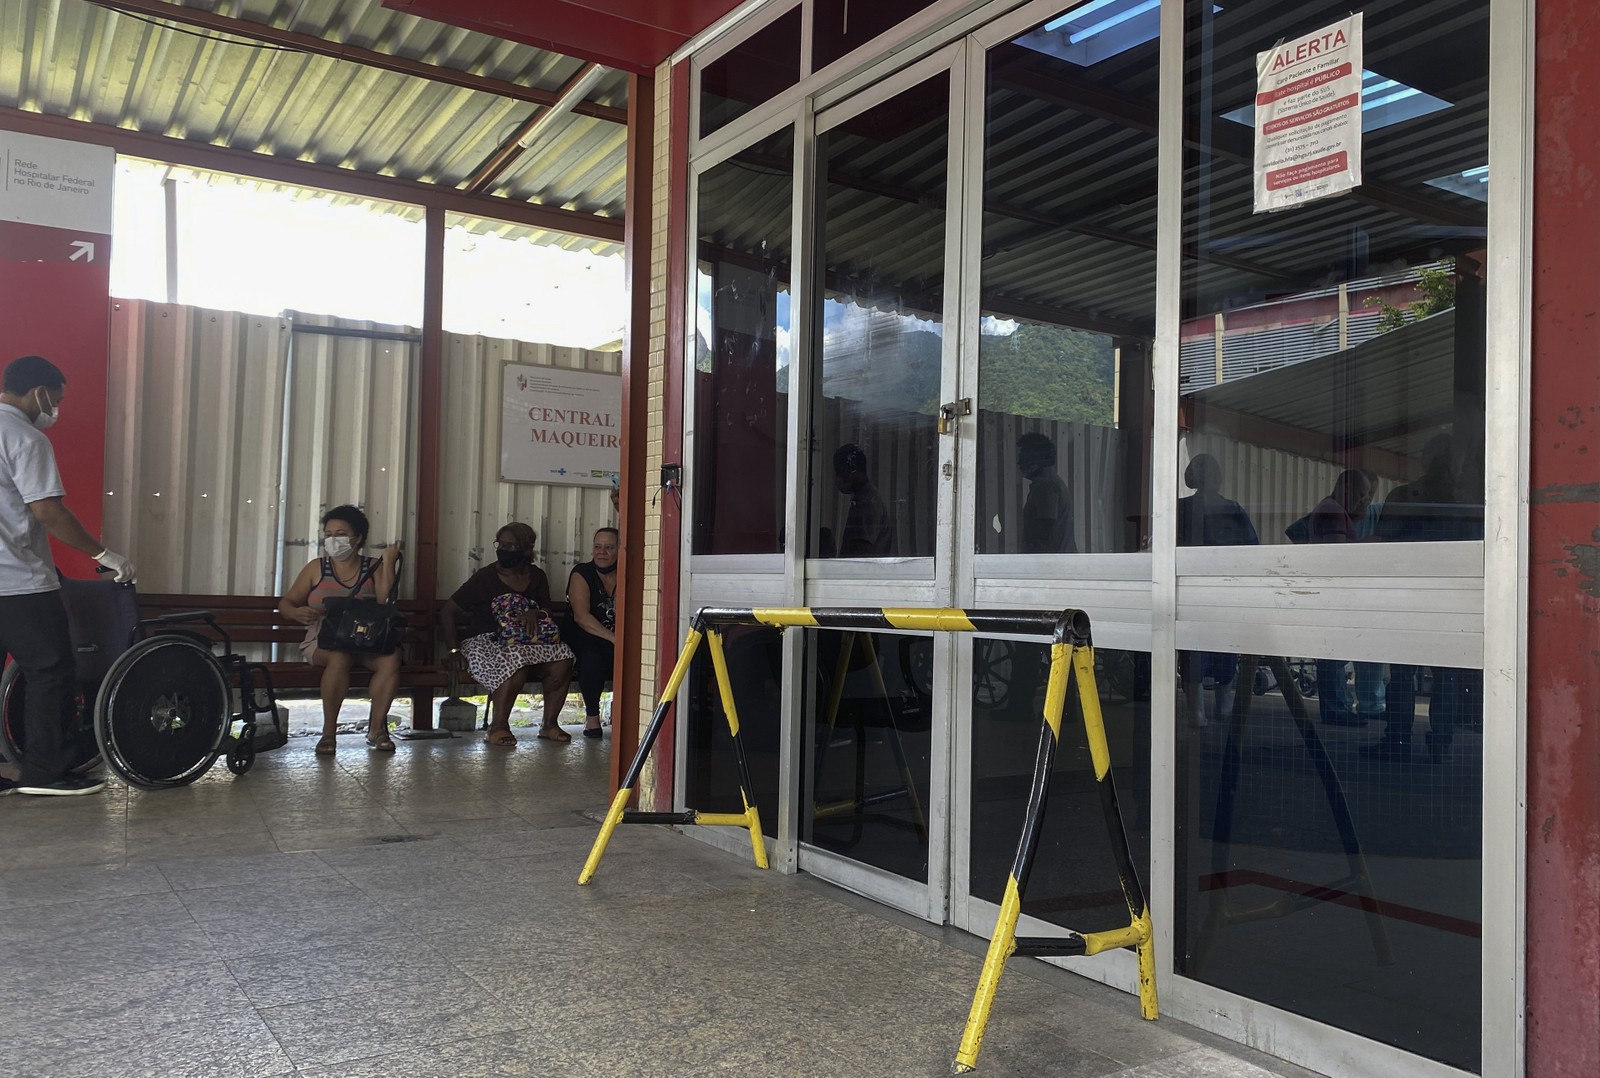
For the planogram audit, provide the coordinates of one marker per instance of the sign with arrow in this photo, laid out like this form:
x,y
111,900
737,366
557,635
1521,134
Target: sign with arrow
x,y
55,297
55,183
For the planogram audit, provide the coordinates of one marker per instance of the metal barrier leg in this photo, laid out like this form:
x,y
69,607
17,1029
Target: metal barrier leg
x,y
619,804
896,746
1127,871
751,817
1221,912
1004,942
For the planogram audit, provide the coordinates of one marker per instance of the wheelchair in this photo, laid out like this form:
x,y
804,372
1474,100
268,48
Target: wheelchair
x,y
153,696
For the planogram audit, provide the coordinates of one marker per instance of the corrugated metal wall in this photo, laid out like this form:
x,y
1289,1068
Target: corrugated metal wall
x,y
236,432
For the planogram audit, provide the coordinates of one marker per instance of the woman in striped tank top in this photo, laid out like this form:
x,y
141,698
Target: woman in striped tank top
x,y
344,532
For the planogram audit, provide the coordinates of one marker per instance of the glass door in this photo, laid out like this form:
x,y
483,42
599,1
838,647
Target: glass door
x,y
1057,346
880,485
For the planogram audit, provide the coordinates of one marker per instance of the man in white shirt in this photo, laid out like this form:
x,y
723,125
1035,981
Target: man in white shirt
x,y
33,621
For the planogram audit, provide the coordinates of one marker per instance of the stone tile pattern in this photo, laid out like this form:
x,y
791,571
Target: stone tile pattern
x,y
418,914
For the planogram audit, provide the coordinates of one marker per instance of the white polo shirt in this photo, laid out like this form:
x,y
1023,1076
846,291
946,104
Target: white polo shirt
x,y
27,474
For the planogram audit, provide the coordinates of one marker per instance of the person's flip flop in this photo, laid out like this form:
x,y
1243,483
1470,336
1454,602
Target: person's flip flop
x,y
504,739
382,744
327,745
554,733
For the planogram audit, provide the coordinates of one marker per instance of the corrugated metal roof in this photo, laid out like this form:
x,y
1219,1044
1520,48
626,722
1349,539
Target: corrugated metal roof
x,y
82,61
1387,392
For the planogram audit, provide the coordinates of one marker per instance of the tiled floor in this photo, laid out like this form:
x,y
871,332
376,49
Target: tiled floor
x,y
418,915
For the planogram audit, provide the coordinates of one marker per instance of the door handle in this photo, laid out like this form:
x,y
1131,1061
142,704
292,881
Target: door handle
x,y
948,413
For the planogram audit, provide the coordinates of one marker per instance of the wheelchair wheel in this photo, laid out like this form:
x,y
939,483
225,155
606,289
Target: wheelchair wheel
x,y
13,704
242,757
13,697
162,712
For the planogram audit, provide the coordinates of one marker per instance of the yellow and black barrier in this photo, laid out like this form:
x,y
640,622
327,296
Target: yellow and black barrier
x,y
1071,659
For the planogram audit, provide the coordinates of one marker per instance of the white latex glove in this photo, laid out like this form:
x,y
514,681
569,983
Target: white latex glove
x,y
121,566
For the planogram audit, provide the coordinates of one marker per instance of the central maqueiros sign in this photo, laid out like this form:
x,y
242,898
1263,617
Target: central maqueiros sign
x,y
560,426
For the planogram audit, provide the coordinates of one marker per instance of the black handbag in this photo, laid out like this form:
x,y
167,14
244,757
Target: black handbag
x,y
365,626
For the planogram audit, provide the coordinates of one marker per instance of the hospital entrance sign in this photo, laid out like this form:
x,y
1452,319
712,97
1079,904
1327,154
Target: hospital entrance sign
x,y
560,426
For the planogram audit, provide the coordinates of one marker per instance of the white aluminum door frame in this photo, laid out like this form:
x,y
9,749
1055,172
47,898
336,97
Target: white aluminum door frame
x,y
904,581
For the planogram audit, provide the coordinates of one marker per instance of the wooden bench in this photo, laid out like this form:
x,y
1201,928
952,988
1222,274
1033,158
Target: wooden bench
x,y
254,620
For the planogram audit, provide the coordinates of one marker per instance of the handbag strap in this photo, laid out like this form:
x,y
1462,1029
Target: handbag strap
x,y
370,569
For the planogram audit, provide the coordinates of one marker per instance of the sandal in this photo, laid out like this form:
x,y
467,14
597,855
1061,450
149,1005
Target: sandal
x,y
504,739
381,744
554,733
327,745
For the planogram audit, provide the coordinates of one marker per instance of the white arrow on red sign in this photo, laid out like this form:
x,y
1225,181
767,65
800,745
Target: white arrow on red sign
x,y
85,251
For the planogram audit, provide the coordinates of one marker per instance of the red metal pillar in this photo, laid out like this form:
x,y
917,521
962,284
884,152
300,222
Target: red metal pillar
x,y
625,675
430,383
1563,675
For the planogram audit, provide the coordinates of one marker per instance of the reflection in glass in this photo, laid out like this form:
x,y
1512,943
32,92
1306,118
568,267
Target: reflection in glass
x,y
868,747
1074,880
839,26
711,767
741,369
1326,867
758,68
1064,408
880,332
1346,333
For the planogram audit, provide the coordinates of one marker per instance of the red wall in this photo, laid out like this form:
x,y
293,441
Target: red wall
x,y
61,309
1563,885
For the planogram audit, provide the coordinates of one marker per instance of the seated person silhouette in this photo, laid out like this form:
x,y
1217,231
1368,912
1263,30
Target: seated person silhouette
x,y
1336,519
1206,518
1047,511
868,531
1429,508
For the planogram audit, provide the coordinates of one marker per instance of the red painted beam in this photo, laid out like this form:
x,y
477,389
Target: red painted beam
x,y
1563,674
623,34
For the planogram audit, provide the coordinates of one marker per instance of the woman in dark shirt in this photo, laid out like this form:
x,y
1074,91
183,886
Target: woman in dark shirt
x,y
591,590
510,636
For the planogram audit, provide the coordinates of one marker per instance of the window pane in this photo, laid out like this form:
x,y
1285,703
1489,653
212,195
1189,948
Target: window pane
x,y
868,748
1332,353
755,70
1330,825
1068,290
1074,882
741,368
840,26
711,767
874,431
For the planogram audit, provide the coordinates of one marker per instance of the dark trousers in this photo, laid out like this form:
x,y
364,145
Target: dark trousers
x,y
33,630
595,657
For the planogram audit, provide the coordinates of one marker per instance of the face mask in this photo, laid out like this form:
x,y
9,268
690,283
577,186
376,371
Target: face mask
x,y
45,419
510,559
337,546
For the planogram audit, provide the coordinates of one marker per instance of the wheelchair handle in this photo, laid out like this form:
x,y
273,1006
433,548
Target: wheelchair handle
x,y
183,616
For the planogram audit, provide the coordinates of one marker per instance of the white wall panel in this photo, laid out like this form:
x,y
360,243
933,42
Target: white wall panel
x,y
230,435
192,437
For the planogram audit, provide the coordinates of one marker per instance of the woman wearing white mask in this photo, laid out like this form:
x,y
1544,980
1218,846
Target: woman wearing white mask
x,y
344,532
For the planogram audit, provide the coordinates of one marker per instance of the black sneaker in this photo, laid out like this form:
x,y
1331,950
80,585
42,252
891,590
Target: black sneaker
x,y
7,786
68,787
